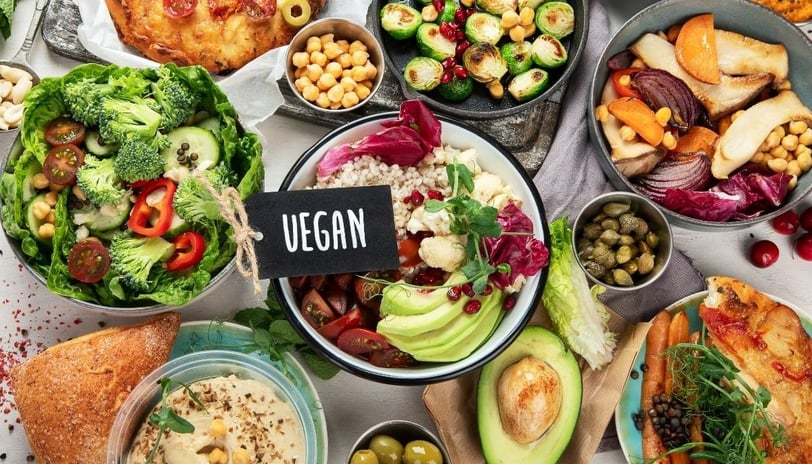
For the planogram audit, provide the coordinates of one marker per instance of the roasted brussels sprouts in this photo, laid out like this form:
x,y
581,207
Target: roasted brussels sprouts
x,y
433,44
457,89
556,19
533,4
423,73
497,7
528,84
483,27
450,7
518,56
549,52
483,62
400,21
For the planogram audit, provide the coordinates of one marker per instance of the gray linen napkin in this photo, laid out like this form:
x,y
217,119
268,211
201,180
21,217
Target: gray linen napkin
x,y
571,175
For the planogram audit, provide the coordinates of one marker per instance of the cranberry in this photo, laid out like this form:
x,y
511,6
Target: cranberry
x,y
806,219
472,306
468,289
803,246
435,194
510,302
454,293
764,253
786,223
416,198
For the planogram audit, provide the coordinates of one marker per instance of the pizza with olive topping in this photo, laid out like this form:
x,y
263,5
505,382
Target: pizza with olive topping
x,y
220,35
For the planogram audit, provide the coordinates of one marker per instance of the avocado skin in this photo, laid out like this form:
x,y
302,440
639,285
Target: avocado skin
x,y
497,446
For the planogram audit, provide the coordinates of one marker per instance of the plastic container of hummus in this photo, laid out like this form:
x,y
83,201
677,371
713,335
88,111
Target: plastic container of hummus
x,y
247,412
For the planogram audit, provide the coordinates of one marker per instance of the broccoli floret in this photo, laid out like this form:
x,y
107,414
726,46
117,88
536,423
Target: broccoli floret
x,y
140,159
98,180
177,100
133,257
122,119
84,97
194,202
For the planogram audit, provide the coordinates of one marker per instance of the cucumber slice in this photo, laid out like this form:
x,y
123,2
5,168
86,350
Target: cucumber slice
x,y
190,147
33,221
212,124
95,145
177,226
102,218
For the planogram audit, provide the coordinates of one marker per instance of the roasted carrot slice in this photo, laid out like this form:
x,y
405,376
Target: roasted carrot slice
x,y
654,384
634,113
695,49
698,138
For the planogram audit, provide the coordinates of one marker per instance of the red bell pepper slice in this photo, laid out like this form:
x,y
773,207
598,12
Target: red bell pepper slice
x,y
189,248
624,90
153,220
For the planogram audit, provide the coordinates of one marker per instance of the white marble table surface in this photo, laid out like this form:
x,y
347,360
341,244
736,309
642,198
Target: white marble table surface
x,y
32,319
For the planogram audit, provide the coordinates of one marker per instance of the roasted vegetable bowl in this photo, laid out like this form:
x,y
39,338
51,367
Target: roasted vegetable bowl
x,y
109,197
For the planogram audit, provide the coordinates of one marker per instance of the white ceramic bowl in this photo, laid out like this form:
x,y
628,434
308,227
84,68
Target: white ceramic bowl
x,y
740,16
493,158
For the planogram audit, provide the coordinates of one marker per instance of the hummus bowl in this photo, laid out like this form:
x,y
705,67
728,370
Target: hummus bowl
x,y
255,408
735,16
493,159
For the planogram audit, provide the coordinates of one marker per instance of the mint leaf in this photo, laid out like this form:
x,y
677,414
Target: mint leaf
x,y
322,368
253,317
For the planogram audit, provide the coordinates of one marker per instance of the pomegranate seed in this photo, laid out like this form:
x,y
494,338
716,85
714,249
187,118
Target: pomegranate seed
x,y
439,5
472,307
448,31
417,198
408,199
510,302
435,194
468,289
460,16
460,34
460,72
449,63
454,293
447,77
469,11
462,45
488,290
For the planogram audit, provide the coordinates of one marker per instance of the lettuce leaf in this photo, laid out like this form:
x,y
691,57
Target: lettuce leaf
x,y
577,315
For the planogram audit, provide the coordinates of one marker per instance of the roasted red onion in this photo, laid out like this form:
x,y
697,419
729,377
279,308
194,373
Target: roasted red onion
x,y
683,171
620,60
660,88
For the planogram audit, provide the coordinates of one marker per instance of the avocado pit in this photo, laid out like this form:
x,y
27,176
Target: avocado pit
x,y
529,395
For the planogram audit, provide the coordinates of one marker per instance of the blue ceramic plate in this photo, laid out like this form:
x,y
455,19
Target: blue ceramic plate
x,y
629,437
207,335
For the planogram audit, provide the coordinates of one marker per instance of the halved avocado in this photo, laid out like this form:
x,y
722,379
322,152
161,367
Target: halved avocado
x,y
498,446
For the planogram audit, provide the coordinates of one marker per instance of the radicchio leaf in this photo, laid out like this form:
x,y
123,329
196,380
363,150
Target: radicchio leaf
x,y
748,193
403,141
516,246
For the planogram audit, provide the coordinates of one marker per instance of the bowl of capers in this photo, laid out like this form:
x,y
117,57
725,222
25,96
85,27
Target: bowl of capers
x,y
622,241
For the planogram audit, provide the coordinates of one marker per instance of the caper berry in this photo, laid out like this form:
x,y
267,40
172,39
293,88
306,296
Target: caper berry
x,y
622,277
592,231
609,237
645,263
595,269
610,224
652,239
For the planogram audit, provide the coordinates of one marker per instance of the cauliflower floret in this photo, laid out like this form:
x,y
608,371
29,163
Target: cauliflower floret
x,y
491,191
446,252
422,221
448,154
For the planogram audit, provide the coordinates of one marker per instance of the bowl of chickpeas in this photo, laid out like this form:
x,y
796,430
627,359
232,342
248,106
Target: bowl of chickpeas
x,y
334,65
398,441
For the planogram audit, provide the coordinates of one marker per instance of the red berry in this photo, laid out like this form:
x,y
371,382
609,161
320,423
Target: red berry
x,y
448,76
472,306
806,219
439,5
460,35
460,72
417,198
510,302
448,30
803,246
786,223
462,45
460,16
764,253
435,194
449,63
454,293
488,290
468,289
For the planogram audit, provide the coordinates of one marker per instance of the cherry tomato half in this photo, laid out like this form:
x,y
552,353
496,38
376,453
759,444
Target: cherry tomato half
x,y
61,164
408,252
315,309
258,10
391,357
624,90
63,129
335,328
88,260
179,8
368,293
361,341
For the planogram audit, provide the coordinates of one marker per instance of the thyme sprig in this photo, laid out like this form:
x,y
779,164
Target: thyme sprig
x,y
166,418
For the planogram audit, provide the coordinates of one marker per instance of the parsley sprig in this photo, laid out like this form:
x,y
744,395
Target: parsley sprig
x,y
166,418
470,218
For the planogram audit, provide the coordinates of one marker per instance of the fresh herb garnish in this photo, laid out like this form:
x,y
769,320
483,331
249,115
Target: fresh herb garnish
x,y
166,418
470,218
735,422
274,335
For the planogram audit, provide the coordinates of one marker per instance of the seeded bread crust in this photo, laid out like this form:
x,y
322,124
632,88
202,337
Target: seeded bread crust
x,y
68,395
220,44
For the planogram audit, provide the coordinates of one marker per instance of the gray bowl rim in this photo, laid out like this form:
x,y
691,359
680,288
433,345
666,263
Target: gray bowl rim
x,y
378,78
605,197
378,429
580,37
660,9
318,344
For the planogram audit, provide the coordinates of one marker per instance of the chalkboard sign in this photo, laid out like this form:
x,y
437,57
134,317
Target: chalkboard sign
x,y
324,231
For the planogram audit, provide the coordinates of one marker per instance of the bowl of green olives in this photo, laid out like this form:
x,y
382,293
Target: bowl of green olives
x,y
622,241
398,442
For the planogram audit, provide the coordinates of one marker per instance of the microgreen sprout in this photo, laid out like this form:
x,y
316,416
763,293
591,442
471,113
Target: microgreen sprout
x,y
166,418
